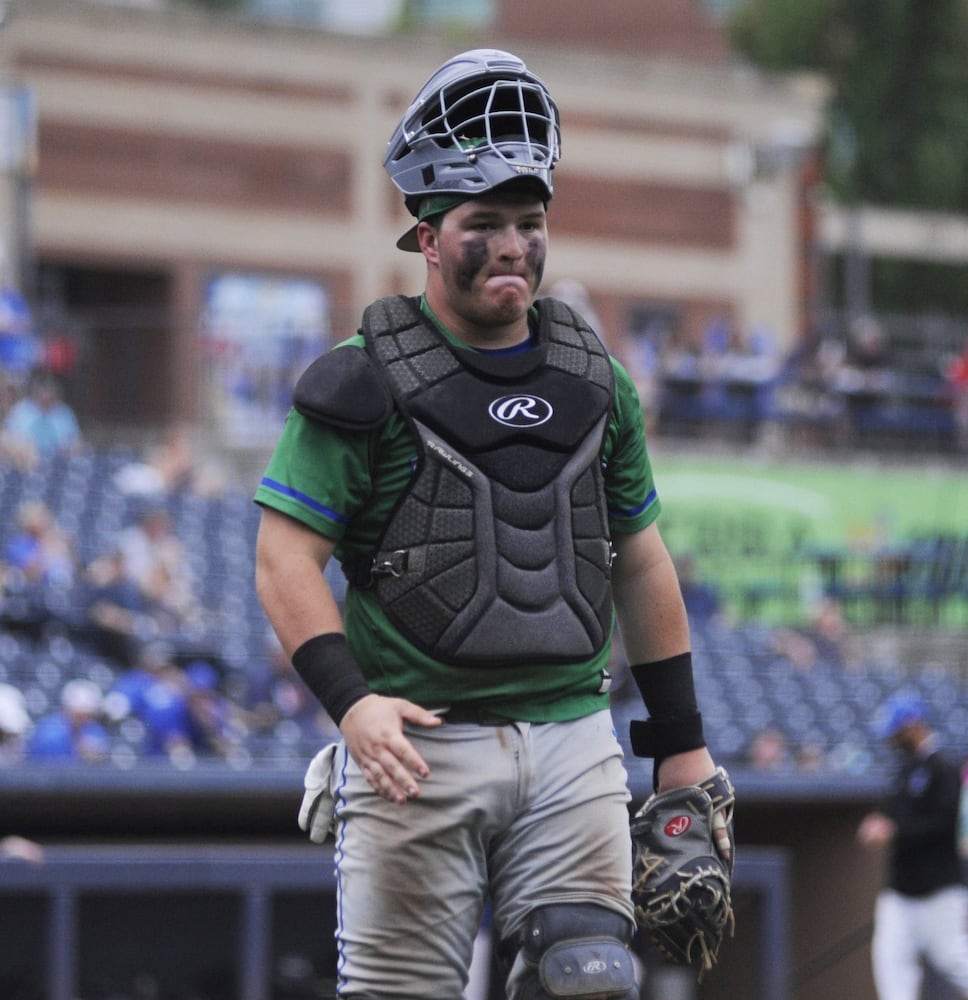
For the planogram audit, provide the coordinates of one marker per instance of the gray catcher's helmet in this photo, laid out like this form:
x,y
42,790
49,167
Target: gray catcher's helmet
x,y
481,120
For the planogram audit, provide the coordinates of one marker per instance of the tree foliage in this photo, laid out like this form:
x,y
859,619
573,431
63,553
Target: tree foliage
x,y
897,123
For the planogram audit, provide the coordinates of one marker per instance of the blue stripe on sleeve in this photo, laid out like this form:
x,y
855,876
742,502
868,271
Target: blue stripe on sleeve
x,y
307,501
635,511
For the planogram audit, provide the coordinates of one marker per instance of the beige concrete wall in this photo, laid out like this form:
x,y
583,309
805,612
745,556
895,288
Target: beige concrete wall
x,y
708,229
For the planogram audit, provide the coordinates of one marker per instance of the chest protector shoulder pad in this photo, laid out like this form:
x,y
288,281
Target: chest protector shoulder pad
x,y
498,551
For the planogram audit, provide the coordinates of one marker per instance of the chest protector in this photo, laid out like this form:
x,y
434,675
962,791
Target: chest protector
x,y
498,551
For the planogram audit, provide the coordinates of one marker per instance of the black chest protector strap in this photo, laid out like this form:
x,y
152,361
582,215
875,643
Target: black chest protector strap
x,y
498,551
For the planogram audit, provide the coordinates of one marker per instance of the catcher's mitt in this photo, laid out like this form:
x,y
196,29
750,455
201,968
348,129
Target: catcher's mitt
x,y
681,879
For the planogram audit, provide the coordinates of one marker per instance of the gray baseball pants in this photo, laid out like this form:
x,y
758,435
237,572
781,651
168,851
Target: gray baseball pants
x,y
522,814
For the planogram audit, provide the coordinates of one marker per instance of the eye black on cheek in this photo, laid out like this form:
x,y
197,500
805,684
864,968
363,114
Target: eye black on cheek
x,y
473,258
535,256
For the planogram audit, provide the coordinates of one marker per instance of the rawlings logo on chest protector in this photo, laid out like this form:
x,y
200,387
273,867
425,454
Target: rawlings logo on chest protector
x,y
521,411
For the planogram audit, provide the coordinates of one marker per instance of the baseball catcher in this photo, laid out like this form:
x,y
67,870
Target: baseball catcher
x,y
683,866
476,462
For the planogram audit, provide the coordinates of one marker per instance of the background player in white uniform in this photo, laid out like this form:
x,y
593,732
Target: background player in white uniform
x,y
922,911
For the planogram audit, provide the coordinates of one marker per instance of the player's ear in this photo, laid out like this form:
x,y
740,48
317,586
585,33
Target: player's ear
x,y
427,240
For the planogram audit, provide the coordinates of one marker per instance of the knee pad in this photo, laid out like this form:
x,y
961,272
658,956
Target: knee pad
x,y
577,951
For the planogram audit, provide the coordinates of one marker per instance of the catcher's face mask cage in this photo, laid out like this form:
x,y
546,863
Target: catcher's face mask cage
x,y
481,120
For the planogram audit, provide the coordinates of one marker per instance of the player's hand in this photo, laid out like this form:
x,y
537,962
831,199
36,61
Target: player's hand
x,y
875,830
373,731
687,768
690,768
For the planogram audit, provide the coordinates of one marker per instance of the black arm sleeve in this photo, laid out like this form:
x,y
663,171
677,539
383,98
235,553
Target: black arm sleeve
x,y
329,670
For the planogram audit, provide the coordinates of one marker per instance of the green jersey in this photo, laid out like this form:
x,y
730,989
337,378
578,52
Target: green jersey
x,y
344,484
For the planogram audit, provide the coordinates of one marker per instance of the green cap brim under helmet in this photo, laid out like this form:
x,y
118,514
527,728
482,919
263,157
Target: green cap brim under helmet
x,y
439,204
433,204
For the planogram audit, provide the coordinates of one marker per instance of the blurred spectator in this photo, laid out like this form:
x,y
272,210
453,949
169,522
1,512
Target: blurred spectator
x,y
14,724
720,380
275,693
154,558
868,349
142,588
922,911
172,466
963,816
20,350
865,376
738,373
116,617
9,394
182,711
152,693
759,367
732,354
804,397
720,339
174,459
151,661
769,750
681,354
814,360
702,599
163,709
40,424
850,757
76,730
214,723
649,331
956,380
810,758
762,349
39,549
824,640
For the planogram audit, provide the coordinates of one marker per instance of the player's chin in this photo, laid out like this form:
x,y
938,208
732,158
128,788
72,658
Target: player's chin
x,y
510,302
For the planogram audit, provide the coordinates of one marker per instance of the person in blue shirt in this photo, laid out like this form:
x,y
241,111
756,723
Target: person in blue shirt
x,y
41,423
75,731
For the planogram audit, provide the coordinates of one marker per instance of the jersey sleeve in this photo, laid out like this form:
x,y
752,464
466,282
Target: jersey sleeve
x,y
317,474
633,503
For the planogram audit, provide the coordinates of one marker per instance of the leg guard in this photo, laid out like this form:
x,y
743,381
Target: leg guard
x,y
573,950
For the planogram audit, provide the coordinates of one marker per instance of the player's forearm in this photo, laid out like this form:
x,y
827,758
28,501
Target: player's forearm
x,y
648,603
653,629
655,632
290,583
301,607
297,601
